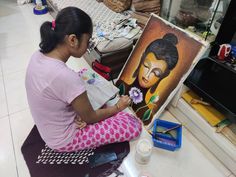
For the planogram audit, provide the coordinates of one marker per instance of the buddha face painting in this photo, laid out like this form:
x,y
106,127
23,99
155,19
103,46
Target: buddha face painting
x,y
151,70
158,59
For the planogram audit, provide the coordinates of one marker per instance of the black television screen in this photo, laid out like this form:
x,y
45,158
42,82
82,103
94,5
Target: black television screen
x,y
215,84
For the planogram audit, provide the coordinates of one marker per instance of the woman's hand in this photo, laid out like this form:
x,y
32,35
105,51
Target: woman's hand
x,y
123,102
80,123
87,114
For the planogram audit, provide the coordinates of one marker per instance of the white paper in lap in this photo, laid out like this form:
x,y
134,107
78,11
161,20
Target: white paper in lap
x,y
99,90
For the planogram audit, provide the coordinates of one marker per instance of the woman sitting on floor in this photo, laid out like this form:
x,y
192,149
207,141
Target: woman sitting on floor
x,y
57,97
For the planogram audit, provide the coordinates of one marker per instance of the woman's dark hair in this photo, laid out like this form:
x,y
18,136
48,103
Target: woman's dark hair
x,y
70,20
163,49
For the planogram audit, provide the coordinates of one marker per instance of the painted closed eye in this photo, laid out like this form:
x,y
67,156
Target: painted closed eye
x,y
146,65
157,72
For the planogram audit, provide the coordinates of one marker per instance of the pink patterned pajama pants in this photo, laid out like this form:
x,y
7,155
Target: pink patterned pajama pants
x,y
118,128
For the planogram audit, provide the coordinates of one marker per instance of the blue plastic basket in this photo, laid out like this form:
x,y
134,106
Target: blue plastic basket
x,y
163,140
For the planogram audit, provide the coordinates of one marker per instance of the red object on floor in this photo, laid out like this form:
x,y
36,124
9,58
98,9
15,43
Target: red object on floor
x,y
103,70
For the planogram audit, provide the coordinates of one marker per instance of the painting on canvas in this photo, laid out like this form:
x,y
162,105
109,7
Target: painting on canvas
x,y
160,61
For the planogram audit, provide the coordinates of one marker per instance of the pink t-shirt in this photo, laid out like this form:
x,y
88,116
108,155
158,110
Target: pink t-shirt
x,y
51,87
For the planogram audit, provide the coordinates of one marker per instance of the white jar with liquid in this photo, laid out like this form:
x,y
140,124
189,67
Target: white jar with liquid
x,y
143,151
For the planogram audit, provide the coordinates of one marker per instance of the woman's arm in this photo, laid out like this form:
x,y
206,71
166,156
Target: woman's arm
x,y
85,110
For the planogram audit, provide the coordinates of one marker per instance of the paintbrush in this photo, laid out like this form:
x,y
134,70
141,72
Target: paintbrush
x,y
197,101
169,129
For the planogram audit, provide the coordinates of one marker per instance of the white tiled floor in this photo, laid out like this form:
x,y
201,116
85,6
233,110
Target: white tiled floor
x,y
19,37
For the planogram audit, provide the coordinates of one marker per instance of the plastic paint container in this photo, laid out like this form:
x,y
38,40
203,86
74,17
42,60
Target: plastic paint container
x,y
143,151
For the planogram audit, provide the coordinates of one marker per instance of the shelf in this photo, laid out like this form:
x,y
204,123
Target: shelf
x,y
201,17
219,145
213,82
222,63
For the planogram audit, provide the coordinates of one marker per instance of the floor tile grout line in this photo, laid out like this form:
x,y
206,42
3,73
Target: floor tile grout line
x,y
13,45
10,114
3,117
14,148
17,44
14,72
13,145
1,67
24,109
